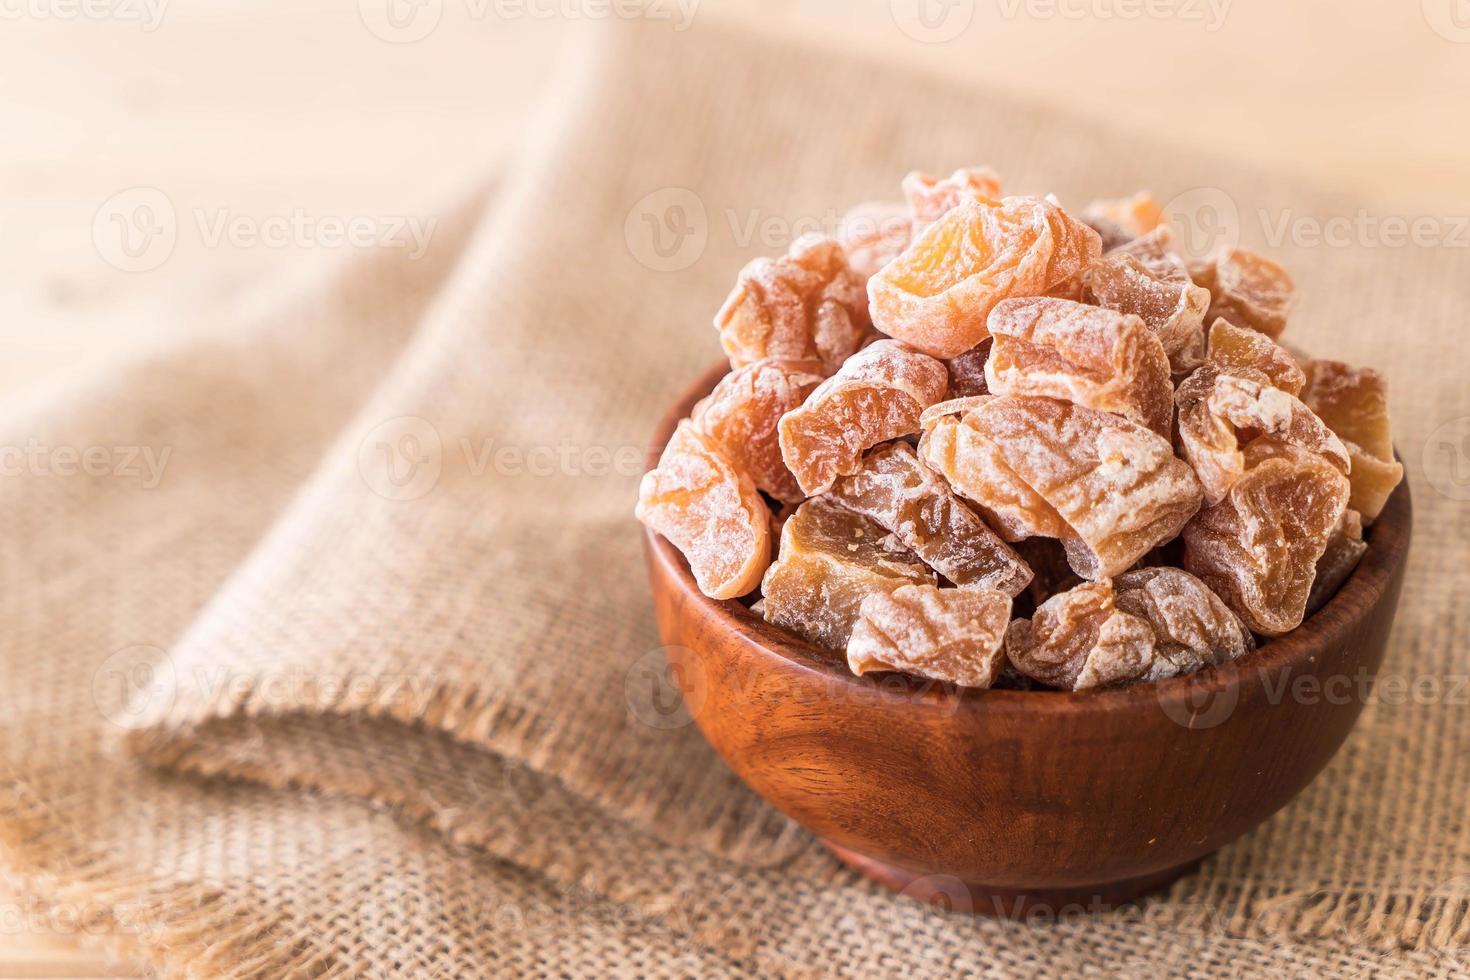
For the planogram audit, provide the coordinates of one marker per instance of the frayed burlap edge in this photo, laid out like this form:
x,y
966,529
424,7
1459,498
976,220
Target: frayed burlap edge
x,y
744,829
182,930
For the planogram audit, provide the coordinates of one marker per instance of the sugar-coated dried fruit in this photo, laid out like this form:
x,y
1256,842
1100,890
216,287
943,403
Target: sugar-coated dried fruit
x,y
1249,290
929,197
1345,549
741,414
1121,220
1240,349
830,561
1080,639
878,395
1353,402
951,635
1221,413
806,305
1083,354
1109,489
967,371
1147,278
956,445
873,234
1192,626
1258,548
710,511
936,295
895,490
1146,625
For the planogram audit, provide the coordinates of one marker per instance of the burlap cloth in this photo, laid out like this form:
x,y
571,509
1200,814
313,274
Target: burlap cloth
x,y
357,690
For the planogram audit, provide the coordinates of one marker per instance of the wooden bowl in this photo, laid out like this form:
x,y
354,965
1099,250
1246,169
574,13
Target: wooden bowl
x,y
1024,802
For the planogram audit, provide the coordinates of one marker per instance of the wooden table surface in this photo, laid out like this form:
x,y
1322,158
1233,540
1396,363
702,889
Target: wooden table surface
x,y
260,108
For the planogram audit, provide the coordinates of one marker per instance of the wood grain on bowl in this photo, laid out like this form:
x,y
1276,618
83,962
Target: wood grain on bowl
x,y
1005,802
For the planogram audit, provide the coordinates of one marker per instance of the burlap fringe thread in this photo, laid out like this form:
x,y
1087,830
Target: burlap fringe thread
x,y
184,930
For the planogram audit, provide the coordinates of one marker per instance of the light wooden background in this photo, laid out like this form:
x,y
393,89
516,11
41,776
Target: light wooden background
x,y
258,108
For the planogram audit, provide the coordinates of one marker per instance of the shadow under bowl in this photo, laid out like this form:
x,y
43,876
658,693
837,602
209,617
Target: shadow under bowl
x,y
1022,802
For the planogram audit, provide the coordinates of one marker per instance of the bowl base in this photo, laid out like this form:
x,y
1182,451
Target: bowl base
x,y
951,893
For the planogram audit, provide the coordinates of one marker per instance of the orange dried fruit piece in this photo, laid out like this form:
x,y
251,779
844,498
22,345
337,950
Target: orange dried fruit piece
x,y
873,234
1353,402
1249,290
1222,412
1258,548
896,491
1345,549
1121,220
930,197
878,395
956,445
830,561
710,511
1240,350
936,295
742,412
967,371
1192,626
806,305
1078,353
1148,279
1107,488
1080,639
950,635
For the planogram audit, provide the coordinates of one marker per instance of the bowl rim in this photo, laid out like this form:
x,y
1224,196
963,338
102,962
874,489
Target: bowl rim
x,y
1388,544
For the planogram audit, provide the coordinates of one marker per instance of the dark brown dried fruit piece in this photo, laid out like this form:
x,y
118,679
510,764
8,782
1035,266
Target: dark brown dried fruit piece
x,y
898,492
830,561
1345,549
1080,639
967,371
1258,548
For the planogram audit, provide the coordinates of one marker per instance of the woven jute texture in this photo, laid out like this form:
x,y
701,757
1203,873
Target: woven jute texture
x,y
365,683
